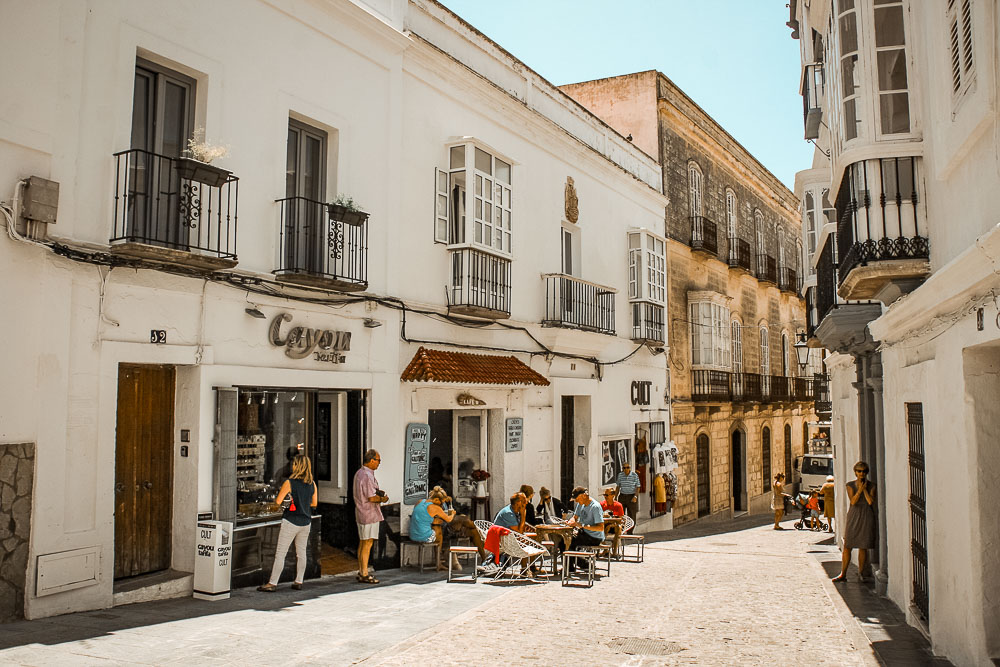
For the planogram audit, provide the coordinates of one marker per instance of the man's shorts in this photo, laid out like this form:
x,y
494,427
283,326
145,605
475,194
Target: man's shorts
x,y
368,531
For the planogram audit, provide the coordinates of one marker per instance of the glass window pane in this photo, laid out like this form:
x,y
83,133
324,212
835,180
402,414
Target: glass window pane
x,y
905,168
479,186
503,171
484,162
457,157
895,113
442,181
312,168
889,26
892,69
848,34
849,75
291,162
844,5
850,120
174,119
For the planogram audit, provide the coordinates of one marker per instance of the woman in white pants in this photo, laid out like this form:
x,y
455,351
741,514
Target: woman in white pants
x,y
295,522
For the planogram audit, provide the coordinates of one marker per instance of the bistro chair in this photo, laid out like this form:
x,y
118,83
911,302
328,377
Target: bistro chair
x,y
627,539
569,576
517,548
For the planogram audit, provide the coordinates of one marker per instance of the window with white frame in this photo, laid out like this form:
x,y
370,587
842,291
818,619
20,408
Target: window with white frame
x,y
483,220
758,227
647,267
850,68
569,248
890,67
737,346
786,370
709,335
960,45
695,188
809,214
765,352
731,209
781,247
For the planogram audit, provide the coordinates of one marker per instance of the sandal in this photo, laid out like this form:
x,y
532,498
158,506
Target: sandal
x,y
296,586
839,579
368,579
267,588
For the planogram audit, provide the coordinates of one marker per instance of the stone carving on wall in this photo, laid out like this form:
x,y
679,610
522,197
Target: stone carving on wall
x,y
17,476
572,203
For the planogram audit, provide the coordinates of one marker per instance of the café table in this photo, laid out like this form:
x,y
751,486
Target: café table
x,y
552,531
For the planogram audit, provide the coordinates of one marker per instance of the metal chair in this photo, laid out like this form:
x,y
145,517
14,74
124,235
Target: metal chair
x,y
568,574
455,552
627,539
522,554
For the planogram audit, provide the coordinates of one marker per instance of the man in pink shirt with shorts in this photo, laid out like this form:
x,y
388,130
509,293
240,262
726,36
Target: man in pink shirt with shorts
x,y
367,498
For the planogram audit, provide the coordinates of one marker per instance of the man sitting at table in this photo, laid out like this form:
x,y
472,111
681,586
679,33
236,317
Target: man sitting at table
x,y
549,509
589,517
610,505
513,515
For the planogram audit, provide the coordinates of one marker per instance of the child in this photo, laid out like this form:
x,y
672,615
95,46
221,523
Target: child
x,y
813,506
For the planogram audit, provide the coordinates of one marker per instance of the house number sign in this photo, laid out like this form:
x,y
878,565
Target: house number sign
x,y
300,342
158,336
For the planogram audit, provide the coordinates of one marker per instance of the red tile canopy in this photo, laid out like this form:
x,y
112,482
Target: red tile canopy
x,y
462,367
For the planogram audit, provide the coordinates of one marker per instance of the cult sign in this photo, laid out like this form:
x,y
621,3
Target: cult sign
x,y
640,392
323,344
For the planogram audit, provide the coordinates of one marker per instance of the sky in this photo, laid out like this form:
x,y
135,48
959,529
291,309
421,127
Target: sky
x,y
735,58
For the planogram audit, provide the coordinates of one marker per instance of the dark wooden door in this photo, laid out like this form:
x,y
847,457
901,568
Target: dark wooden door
x,y
918,508
765,458
788,454
567,456
704,459
143,469
736,469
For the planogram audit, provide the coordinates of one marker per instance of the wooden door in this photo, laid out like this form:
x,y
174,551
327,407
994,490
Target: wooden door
x,y
567,447
736,469
704,507
143,469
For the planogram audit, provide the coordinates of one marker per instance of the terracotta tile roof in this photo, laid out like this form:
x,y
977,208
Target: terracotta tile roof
x,y
462,367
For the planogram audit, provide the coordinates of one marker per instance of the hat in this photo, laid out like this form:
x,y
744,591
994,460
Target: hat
x,y
608,490
829,478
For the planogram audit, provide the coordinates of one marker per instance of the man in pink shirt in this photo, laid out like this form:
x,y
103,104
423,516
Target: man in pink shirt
x,y
367,498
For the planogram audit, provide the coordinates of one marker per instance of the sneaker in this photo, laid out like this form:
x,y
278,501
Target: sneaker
x,y
487,568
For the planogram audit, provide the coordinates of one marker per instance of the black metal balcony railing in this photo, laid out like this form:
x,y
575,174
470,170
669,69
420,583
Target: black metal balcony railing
x,y
709,385
788,280
312,246
802,389
812,99
747,388
156,206
578,304
647,322
886,229
703,235
767,269
480,284
780,388
826,280
739,254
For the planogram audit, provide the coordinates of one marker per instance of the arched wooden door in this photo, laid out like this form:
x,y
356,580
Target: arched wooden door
x,y
788,453
703,462
765,457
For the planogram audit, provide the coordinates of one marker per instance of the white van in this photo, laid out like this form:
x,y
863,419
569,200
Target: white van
x,y
811,469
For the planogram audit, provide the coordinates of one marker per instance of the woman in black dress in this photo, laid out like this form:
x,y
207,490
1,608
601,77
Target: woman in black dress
x,y
861,531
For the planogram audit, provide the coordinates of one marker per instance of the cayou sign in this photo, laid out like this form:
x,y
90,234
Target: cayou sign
x,y
300,342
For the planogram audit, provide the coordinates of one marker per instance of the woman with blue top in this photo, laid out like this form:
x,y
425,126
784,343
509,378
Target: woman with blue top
x,y
295,522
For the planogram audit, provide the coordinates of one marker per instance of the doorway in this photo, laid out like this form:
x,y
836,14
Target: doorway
x,y
703,462
788,453
458,446
737,467
143,469
567,445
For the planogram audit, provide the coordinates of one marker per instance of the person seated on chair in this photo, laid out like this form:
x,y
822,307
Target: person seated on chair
x,y
549,508
513,515
530,518
459,526
610,505
589,517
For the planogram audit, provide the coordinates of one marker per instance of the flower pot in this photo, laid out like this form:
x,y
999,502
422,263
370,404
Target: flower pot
x,y
193,170
481,489
347,216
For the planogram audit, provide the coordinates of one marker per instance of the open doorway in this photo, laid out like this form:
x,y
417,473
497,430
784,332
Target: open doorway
x,y
738,471
458,447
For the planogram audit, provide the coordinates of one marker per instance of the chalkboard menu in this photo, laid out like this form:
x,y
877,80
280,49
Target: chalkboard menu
x,y
515,432
418,439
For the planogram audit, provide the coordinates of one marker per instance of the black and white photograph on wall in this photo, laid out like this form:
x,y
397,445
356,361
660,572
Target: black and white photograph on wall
x,y
607,465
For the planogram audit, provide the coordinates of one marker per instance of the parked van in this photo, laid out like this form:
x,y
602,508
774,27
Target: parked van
x,y
812,468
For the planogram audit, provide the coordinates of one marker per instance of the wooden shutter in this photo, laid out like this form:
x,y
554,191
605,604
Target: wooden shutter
x,y
224,502
440,206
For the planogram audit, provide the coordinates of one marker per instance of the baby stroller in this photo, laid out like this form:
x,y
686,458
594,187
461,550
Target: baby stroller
x,y
805,520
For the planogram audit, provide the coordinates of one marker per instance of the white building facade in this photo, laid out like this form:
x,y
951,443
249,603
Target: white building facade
x,y
184,330
901,100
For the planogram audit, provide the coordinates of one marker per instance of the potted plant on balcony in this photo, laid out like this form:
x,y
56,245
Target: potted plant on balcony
x,y
195,164
344,209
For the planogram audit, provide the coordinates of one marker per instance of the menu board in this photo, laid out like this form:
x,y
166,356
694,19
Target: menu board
x,y
515,430
418,440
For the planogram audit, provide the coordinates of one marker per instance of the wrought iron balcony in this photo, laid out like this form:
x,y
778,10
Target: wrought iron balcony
x,y
882,252
166,213
647,323
577,304
821,394
316,250
480,284
767,269
779,388
710,386
813,84
703,235
788,281
739,254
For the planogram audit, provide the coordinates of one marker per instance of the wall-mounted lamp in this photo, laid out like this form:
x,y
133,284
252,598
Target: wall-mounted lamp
x,y
254,312
372,323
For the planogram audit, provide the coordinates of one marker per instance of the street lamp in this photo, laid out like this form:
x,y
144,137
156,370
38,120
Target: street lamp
x,y
802,350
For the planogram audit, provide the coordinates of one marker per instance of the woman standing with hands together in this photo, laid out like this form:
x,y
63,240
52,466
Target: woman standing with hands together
x,y
861,527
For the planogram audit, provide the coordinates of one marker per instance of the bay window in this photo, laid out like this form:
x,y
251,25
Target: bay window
x,y
484,220
710,335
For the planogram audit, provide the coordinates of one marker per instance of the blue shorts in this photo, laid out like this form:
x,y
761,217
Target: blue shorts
x,y
814,514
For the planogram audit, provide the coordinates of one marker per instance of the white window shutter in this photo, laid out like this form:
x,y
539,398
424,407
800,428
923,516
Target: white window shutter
x,y
441,206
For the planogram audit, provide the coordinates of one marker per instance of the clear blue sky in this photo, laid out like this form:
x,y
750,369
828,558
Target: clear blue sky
x,y
735,58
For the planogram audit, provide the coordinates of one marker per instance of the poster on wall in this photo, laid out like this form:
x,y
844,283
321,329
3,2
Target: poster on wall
x,y
515,434
418,438
614,453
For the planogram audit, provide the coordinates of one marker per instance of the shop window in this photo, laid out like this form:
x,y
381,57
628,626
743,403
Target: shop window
x,y
484,220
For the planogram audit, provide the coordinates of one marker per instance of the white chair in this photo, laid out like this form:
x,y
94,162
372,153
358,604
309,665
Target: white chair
x,y
522,554
627,539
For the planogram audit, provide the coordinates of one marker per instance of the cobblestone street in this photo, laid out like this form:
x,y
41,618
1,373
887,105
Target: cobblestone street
x,y
732,593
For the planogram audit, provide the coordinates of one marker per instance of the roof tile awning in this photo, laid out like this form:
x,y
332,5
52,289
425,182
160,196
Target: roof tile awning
x,y
464,368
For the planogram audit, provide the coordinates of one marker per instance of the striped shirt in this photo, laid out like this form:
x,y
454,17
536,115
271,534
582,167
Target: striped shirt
x,y
627,484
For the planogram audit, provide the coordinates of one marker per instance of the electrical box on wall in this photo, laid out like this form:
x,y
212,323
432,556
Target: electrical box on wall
x,y
40,200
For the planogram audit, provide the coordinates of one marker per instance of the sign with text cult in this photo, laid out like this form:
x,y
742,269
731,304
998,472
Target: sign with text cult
x,y
418,442
515,434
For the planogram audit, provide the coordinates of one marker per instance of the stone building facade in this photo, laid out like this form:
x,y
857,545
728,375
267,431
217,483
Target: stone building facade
x,y
740,404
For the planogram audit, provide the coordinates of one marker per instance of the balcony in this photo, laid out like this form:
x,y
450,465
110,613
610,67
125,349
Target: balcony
x,y
715,386
821,395
703,235
708,386
739,254
747,388
647,323
767,269
813,83
480,284
882,252
788,280
577,304
166,214
317,251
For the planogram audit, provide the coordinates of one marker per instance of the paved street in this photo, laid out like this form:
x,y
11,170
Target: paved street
x,y
733,593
